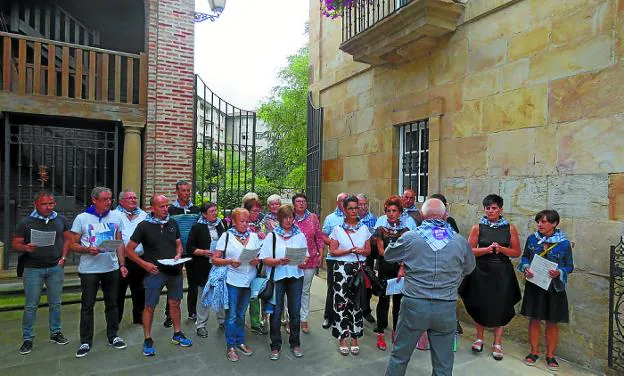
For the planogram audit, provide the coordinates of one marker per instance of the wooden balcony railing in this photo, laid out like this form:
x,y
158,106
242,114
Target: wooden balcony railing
x,y
36,66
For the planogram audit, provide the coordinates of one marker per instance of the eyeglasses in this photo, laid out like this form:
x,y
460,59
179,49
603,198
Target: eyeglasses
x,y
300,201
352,208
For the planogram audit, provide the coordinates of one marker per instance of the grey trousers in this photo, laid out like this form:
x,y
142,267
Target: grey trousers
x,y
203,313
438,319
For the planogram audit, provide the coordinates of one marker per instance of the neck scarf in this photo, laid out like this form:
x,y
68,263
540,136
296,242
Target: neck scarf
x,y
270,216
189,205
500,223
406,211
557,237
338,213
352,228
157,221
136,211
36,214
305,216
294,230
91,210
369,219
399,225
204,221
241,235
436,232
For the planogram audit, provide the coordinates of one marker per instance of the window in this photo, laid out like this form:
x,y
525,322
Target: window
x,y
414,158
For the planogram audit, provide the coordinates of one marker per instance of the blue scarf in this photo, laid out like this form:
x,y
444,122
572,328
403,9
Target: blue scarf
x,y
338,213
305,216
353,228
436,232
407,211
500,223
204,221
294,230
91,210
369,220
241,235
270,216
136,211
35,214
157,221
176,203
557,237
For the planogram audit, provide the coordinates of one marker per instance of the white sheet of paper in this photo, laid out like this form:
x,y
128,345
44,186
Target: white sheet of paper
x,y
395,286
540,267
172,262
296,255
42,238
248,255
111,244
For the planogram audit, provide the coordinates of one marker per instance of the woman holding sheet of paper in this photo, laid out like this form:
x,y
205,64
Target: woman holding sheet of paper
x,y
550,305
231,245
388,229
288,277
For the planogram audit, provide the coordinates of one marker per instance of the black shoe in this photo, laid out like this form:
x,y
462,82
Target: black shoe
x,y
59,339
168,322
26,347
192,317
370,318
83,350
117,343
460,330
326,324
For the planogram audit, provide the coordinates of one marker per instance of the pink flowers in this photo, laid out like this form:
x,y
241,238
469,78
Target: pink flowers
x,y
335,8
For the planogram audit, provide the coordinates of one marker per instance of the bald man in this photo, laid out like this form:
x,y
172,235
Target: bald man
x,y
160,237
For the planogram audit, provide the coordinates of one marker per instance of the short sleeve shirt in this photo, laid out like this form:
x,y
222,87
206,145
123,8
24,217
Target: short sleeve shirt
x,y
283,271
344,242
241,276
93,230
159,241
43,257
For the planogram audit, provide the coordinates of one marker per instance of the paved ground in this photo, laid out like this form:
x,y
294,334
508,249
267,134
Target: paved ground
x,y
207,356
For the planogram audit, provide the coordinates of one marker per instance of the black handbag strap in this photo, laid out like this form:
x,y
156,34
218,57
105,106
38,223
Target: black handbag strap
x,y
353,244
273,268
227,240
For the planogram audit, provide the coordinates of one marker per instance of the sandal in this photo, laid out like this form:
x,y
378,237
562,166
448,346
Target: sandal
x,y
304,327
477,346
232,355
497,352
355,349
551,364
531,359
344,350
381,342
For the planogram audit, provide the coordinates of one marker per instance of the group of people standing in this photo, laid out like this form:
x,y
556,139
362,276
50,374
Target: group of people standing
x,y
124,247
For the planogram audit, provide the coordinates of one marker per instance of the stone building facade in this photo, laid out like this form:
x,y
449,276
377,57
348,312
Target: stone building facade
x,y
522,98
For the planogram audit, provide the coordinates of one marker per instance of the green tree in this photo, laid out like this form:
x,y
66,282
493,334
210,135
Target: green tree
x,y
284,161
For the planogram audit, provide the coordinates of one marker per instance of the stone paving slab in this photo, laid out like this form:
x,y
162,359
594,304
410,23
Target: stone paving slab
x,y
207,356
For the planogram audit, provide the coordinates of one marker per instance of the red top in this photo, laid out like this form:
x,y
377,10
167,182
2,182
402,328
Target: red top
x,y
311,228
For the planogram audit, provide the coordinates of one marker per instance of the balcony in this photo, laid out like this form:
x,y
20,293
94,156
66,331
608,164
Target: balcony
x,y
380,32
43,76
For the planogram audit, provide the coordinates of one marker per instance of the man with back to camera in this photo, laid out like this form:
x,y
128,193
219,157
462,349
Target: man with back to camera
x,y
160,237
435,260
42,265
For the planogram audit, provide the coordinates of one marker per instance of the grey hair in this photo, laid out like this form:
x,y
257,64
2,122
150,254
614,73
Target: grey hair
x,y
41,194
274,198
250,196
341,194
362,196
122,194
433,207
95,193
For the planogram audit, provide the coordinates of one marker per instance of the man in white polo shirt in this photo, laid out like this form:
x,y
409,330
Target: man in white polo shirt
x,y
92,236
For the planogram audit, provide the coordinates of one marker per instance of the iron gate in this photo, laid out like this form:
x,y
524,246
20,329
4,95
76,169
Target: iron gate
x,y
616,308
68,162
314,158
224,163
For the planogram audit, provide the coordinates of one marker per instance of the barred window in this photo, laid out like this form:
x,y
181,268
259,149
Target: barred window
x,y
414,158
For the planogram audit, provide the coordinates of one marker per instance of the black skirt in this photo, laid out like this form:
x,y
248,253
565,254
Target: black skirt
x,y
540,304
490,292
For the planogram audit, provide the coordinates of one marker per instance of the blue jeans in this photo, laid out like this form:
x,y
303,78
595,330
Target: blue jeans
x,y
235,320
438,319
291,287
34,278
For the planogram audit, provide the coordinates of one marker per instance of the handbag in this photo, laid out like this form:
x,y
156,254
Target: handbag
x,y
378,286
266,293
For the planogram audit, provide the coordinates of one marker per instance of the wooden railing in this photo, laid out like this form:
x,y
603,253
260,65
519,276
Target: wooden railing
x,y
44,67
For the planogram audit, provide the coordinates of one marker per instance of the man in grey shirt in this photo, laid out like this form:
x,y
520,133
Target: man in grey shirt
x,y
435,259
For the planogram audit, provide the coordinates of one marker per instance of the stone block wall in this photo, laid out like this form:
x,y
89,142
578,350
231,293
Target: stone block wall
x,y
531,107
168,137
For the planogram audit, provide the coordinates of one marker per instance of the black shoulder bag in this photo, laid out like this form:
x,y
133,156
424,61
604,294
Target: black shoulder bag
x,y
267,292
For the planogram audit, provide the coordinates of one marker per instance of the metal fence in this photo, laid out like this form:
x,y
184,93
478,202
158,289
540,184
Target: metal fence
x,y
616,308
314,158
225,148
364,14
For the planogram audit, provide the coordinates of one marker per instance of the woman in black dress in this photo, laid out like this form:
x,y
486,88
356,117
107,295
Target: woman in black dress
x,y
548,305
490,292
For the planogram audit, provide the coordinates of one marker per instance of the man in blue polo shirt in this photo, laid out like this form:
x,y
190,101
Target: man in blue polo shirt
x,y
335,218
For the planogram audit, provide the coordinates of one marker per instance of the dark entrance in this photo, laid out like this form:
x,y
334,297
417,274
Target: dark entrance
x,y
65,156
314,159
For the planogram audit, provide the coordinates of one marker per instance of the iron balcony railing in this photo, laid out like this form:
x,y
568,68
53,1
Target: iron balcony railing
x,y
364,14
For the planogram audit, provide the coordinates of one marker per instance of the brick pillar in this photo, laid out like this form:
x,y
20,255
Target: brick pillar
x,y
168,152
